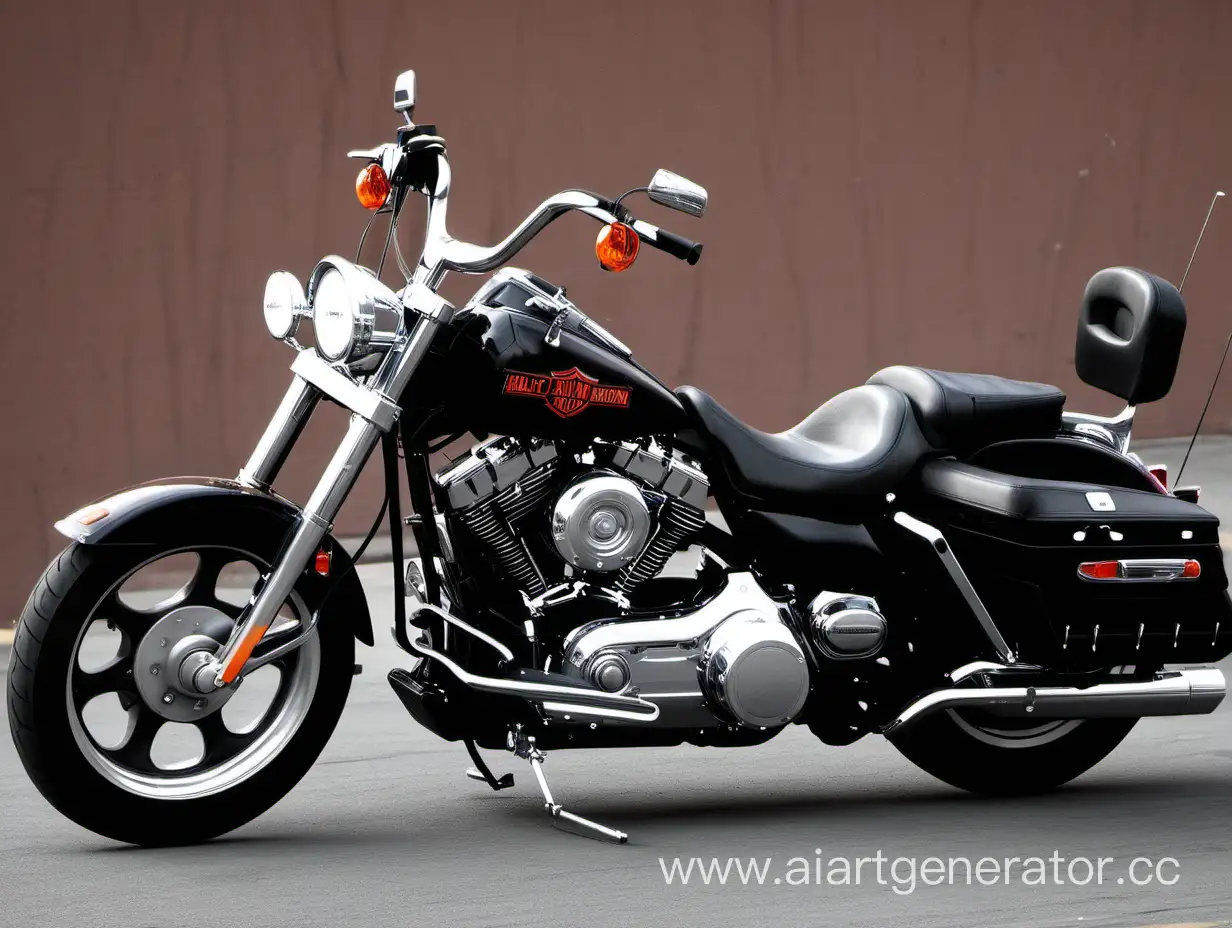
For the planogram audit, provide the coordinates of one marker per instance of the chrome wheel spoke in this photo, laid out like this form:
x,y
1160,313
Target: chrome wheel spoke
x,y
143,725
221,742
114,677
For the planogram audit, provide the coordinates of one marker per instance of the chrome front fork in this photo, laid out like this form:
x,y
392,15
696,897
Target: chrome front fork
x,y
373,414
283,431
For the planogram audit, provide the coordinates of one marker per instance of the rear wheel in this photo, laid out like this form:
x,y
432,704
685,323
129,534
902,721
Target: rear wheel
x,y
998,756
116,741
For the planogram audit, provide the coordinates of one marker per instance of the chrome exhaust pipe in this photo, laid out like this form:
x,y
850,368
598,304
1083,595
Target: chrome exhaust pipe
x,y
1180,692
594,703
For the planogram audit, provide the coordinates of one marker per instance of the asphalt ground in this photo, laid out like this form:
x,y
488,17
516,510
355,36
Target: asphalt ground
x,y
386,830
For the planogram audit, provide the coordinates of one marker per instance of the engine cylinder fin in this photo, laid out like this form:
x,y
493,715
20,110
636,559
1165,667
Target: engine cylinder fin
x,y
492,523
677,521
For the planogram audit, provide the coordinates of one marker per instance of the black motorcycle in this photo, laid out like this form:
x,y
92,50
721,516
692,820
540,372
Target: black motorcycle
x,y
950,560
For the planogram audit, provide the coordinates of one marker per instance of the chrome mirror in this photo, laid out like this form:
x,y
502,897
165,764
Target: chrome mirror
x,y
672,190
404,95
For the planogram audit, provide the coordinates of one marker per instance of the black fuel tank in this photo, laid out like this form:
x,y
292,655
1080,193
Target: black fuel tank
x,y
515,366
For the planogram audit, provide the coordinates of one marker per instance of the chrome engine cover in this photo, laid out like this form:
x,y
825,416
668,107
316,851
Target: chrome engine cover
x,y
600,522
734,660
756,670
847,625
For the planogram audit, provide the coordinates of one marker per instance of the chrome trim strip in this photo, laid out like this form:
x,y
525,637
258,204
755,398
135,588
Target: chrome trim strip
x,y
377,408
564,710
1184,692
943,550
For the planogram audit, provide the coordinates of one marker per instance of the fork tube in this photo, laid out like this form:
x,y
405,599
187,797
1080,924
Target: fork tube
x,y
317,517
282,432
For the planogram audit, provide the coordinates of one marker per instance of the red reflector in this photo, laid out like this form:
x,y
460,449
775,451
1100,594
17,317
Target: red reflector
x,y
1192,570
321,564
1160,473
1099,570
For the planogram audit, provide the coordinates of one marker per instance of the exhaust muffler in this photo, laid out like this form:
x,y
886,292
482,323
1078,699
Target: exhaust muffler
x,y
1179,692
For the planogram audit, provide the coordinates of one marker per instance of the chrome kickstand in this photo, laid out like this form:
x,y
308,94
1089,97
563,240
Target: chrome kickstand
x,y
523,746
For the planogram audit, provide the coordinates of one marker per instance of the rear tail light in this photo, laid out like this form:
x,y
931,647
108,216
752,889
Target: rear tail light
x,y
1141,569
1159,473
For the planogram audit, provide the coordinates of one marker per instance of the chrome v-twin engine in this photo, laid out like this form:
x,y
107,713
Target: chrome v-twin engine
x,y
614,515
734,660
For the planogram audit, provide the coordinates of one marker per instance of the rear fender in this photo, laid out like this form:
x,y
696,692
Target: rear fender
x,y
137,516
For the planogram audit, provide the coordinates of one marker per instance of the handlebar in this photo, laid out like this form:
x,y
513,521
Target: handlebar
x,y
675,245
443,253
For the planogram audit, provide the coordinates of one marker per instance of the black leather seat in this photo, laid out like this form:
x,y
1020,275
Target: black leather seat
x,y
854,449
965,412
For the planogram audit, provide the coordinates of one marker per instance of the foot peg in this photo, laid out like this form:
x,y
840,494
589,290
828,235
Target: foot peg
x,y
482,772
524,747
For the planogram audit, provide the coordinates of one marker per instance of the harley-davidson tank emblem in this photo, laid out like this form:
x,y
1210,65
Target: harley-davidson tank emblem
x,y
567,393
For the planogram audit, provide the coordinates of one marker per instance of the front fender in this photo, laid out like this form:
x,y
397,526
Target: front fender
x,y
136,516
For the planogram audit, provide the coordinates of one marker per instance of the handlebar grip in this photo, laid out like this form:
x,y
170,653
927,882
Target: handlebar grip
x,y
675,245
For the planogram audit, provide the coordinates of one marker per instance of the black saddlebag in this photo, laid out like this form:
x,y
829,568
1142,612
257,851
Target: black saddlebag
x,y
1021,541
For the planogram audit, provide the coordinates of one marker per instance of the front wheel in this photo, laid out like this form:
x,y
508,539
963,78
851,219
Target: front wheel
x,y
996,756
115,742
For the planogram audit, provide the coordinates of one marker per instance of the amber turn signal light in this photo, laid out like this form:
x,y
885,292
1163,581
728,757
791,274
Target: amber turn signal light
x,y
372,187
92,515
616,247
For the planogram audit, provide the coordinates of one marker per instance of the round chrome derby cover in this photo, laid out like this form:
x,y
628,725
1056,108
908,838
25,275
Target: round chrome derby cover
x,y
755,668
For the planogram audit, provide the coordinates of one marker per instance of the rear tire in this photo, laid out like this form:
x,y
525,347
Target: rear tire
x,y
71,771
1000,757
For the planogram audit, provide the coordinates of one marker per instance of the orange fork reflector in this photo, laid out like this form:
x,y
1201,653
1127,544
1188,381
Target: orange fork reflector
x,y
321,563
240,658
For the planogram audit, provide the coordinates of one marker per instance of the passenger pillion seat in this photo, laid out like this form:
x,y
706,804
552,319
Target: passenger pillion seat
x,y
960,413
837,464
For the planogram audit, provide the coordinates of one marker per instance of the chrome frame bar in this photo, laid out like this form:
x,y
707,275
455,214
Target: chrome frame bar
x,y
943,550
1113,430
452,619
625,707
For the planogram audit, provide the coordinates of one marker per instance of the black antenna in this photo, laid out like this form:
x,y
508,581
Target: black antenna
x,y
1227,345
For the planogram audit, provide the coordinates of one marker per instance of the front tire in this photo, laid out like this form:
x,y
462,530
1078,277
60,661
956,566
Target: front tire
x,y
118,791
994,756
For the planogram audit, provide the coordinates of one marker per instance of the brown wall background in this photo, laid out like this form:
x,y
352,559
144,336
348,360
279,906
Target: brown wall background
x,y
929,182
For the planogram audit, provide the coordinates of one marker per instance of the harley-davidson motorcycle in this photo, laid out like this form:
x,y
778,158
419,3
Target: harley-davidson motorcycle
x,y
951,560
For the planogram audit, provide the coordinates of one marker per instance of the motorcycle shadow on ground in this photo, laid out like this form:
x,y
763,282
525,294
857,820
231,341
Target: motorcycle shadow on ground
x,y
707,812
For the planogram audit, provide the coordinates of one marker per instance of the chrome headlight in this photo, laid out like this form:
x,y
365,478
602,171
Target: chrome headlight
x,y
284,305
353,313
